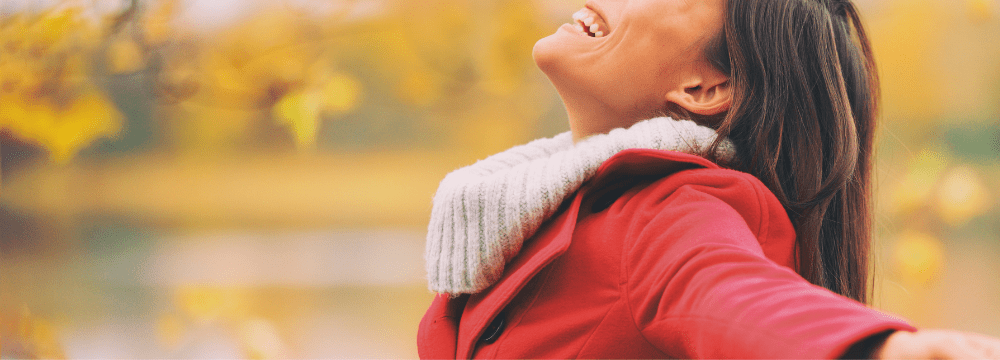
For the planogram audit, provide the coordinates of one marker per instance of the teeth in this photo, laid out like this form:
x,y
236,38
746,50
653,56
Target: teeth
x,y
585,22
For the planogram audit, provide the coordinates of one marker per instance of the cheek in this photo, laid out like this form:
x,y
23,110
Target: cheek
x,y
623,71
641,71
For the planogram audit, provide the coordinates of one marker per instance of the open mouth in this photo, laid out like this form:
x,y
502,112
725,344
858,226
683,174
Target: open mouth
x,y
591,23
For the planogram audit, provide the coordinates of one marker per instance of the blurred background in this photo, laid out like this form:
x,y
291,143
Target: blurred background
x,y
252,179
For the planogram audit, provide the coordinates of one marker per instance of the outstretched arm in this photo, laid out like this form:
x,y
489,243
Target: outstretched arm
x,y
938,344
703,284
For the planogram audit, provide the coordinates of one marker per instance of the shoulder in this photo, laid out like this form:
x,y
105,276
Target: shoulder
x,y
693,198
681,178
718,191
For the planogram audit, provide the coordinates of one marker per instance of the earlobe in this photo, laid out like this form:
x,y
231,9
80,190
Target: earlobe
x,y
703,99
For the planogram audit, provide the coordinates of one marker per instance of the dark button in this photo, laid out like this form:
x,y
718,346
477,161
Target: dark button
x,y
492,332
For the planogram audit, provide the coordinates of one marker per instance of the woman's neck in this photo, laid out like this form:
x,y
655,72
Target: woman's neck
x,y
589,116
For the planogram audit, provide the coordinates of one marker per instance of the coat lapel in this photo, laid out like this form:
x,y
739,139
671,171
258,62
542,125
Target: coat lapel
x,y
552,240
438,328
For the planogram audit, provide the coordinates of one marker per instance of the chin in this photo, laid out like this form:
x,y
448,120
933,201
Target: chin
x,y
546,53
557,56
554,52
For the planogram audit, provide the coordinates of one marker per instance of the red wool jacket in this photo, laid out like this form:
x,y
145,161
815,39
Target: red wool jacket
x,y
660,255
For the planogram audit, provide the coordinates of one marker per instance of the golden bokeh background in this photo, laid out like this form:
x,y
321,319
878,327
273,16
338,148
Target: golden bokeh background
x,y
252,179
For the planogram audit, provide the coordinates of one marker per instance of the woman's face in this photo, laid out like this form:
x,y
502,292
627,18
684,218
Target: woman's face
x,y
638,51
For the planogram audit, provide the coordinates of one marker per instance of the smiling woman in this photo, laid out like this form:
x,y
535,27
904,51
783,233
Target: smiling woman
x,y
648,55
744,233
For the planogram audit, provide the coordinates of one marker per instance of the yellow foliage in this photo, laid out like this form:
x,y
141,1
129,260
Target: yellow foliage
x,y
340,93
31,337
440,33
961,196
915,188
491,127
202,126
420,87
220,72
63,131
422,45
211,303
46,340
300,111
269,47
906,45
265,66
46,95
918,256
125,56
16,75
278,65
62,28
981,10
156,22
508,58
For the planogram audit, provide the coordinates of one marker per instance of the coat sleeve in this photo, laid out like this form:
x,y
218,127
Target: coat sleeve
x,y
700,285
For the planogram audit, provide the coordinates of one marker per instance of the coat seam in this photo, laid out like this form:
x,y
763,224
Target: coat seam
x,y
631,314
594,332
626,246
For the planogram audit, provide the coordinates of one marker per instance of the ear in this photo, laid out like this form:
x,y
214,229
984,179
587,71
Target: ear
x,y
703,94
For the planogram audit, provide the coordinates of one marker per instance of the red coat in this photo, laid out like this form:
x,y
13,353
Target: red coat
x,y
661,254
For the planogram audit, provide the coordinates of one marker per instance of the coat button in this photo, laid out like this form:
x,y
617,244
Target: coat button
x,y
492,332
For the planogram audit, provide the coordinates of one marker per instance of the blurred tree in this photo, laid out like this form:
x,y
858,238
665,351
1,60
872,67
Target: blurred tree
x,y
47,93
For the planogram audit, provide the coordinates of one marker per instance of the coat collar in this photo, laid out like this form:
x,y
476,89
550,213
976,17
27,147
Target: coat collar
x,y
645,162
554,239
483,213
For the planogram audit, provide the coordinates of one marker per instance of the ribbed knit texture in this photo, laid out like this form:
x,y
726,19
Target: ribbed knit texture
x,y
482,213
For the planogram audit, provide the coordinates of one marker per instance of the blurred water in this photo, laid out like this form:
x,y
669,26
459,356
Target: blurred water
x,y
140,293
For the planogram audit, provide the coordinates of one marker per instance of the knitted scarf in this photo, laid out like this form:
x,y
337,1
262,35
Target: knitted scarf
x,y
482,213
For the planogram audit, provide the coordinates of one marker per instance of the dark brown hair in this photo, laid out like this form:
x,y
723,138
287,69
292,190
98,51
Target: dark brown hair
x,y
805,96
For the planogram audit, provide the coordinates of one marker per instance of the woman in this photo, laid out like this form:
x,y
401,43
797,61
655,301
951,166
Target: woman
x,y
743,233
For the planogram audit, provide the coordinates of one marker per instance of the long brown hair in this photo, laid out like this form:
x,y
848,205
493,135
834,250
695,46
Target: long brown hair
x,y
805,97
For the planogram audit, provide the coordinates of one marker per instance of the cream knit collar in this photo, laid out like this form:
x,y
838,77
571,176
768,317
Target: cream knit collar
x,y
482,213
